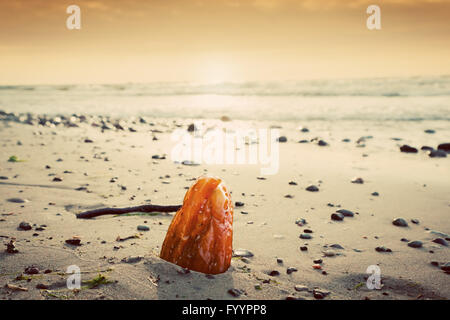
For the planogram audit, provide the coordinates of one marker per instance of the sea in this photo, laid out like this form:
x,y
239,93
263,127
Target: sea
x,y
379,99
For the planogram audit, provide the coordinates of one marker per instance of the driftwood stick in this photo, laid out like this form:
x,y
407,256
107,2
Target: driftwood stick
x,y
145,208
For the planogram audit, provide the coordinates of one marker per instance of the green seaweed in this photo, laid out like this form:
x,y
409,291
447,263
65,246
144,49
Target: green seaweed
x,y
97,281
359,285
14,159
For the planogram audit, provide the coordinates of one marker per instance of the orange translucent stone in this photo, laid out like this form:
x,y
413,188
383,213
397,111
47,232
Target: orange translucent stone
x,y
201,233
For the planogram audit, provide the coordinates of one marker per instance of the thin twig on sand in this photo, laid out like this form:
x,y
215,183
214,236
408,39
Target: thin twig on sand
x,y
116,211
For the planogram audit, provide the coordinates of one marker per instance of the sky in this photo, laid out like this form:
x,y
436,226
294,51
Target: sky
x,y
123,41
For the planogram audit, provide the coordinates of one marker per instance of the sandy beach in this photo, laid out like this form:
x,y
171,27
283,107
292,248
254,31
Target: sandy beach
x,y
63,169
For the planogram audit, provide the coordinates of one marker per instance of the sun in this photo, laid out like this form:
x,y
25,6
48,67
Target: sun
x,y
215,71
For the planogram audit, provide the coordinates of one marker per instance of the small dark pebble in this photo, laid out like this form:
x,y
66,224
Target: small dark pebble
x,y
345,212
415,244
382,249
318,261
24,226
437,154
32,270
337,216
74,241
234,292
291,269
312,188
444,147
441,241
408,149
400,222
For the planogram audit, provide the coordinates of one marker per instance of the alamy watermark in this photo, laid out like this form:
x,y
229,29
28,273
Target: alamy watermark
x,y
374,280
74,20
223,146
74,280
374,20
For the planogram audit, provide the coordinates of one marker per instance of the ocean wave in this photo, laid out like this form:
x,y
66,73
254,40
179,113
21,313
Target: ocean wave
x,y
377,87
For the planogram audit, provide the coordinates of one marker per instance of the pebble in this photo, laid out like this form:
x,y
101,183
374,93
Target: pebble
x,y
75,241
444,147
291,269
415,221
345,212
191,128
274,273
282,139
242,253
400,222
17,200
408,149
300,222
11,246
304,248
337,246
439,234
317,266
292,183
300,288
317,261
320,294
322,143
234,292
435,263
337,216
305,236
143,228
132,259
329,253
441,241
312,188
375,194
238,204
415,244
357,180
32,270
446,267
437,154
382,249
24,226
429,131
4,178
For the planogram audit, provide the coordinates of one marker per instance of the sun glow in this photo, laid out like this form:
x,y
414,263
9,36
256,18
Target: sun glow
x,y
216,71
